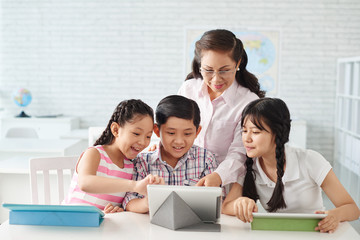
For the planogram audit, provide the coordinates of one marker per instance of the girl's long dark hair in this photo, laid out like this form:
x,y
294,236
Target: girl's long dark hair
x,y
126,111
274,113
225,41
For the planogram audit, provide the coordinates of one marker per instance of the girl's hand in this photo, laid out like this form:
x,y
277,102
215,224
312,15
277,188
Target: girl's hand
x,y
244,207
155,179
211,180
109,208
329,223
140,186
152,148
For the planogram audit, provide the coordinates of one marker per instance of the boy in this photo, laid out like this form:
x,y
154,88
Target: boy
x,y
177,160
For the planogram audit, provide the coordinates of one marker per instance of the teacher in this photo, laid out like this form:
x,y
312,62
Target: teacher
x,y
222,87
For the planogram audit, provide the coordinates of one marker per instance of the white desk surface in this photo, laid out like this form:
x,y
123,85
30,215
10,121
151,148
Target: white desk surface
x,y
127,225
16,152
52,118
79,133
15,165
35,145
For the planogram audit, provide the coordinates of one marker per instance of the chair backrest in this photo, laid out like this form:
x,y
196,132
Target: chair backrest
x,y
21,132
94,134
45,165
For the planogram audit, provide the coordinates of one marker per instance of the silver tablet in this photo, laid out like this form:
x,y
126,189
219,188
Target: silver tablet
x,y
204,201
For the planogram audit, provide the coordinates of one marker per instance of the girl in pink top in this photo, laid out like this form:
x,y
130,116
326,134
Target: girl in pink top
x,y
222,87
104,172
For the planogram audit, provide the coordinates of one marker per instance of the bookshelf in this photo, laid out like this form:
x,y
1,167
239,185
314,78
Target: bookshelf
x,y
347,125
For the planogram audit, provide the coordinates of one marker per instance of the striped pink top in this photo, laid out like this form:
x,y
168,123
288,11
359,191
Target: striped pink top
x,y
106,169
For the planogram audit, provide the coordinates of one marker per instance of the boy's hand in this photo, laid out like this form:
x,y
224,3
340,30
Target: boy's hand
x,y
329,223
244,207
211,180
109,208
140,186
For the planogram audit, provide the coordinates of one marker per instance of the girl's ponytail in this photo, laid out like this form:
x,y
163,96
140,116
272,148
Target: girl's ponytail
x,y
277,199
249,187
107,137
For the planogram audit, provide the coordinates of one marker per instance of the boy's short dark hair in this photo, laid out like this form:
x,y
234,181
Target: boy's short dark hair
x,y
177,106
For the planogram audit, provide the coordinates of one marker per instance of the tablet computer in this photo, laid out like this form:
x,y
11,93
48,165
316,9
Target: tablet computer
x,y
54,215
286,221
204,201
52,208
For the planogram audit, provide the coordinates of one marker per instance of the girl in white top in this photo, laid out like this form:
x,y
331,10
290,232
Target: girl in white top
x,y
283,178
222,87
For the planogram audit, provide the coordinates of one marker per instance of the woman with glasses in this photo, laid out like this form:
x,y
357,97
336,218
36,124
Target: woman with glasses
x,y
222,87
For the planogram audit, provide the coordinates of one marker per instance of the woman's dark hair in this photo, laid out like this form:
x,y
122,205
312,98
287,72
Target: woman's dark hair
x,y
177,106
274,113
225,41
126,111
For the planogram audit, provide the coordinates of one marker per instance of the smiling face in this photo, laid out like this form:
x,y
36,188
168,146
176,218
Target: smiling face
x,y
177,136
218,61
258,142
134,136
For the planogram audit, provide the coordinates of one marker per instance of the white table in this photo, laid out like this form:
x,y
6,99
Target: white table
x,y
28,147
15,152
127,225
46,127
80,133
14,165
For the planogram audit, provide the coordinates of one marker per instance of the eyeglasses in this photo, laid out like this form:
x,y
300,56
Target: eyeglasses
x,y
222,74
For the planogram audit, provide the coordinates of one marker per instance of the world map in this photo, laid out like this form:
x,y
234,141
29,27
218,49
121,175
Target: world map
x,y
260,50
261,57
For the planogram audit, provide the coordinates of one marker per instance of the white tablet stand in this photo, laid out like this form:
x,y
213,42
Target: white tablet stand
x,y
175,214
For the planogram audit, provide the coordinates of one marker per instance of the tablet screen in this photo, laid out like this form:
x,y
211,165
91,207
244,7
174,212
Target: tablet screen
x,y
286,221
290,215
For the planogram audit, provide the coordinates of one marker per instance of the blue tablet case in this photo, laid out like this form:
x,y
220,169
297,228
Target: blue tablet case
x,y
54,215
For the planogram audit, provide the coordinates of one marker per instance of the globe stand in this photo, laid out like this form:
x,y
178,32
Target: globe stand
x,y
22,115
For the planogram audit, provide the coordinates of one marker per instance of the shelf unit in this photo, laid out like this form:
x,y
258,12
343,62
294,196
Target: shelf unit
x,y
347,125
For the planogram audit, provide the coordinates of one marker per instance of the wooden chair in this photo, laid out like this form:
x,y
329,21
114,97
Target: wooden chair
x,y
45,165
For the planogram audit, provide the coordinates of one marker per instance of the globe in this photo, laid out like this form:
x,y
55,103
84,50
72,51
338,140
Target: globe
x,y
22,97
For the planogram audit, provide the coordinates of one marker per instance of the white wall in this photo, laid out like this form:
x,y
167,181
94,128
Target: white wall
x,y
81,57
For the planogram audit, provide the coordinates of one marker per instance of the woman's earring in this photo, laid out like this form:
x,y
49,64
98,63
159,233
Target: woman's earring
x,y
238,69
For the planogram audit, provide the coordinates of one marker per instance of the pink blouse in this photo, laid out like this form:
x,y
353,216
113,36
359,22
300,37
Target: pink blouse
x,y
220,121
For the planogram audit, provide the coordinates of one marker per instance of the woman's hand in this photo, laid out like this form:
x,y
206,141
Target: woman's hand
x,y
329,223
211,180
109,208
140,186
244,207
